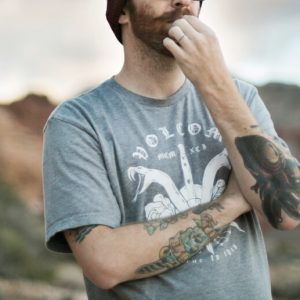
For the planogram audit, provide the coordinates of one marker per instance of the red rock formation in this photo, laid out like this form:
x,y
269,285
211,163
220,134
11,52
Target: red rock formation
x,y
21,140
31,112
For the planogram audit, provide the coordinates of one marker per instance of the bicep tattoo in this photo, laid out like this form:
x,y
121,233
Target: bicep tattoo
x,y
82,232
277,177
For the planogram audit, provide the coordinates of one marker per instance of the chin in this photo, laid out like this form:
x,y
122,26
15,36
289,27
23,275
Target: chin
x,y
161,49
165,52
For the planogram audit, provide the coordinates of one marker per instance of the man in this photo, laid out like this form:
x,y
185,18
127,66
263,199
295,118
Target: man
x,y
135,171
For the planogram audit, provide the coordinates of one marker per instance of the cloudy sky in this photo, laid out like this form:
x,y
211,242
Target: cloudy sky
x,y
61,47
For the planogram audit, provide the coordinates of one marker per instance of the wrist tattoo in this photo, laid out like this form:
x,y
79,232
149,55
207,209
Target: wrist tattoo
x,y
277,177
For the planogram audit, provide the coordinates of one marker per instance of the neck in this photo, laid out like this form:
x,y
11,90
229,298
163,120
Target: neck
x,y
150,74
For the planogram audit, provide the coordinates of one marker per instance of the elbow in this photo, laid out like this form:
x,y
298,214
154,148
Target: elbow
x,y
103,280
103,274
107,283
288,224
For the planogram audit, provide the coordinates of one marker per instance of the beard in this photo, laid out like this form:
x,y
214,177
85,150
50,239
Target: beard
x,y
151,31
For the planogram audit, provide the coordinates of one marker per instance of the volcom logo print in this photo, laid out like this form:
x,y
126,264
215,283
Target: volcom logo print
x,y
193,129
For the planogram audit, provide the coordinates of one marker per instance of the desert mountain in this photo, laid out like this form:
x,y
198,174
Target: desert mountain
x,y
21,125
283,101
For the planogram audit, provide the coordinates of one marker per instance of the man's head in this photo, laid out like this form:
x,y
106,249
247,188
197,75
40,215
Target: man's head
x,y
115,8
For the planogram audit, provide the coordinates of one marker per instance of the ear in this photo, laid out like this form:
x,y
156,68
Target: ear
x,y
123,19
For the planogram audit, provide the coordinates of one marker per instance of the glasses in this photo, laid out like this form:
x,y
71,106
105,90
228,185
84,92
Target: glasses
x,y
200,1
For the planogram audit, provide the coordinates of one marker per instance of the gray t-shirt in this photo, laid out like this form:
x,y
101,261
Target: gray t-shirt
x,y
113,157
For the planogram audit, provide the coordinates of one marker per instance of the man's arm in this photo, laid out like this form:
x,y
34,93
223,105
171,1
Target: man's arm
x,y
111,256
268,176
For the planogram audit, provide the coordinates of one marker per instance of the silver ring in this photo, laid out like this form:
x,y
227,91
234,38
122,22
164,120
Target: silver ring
x,y
178,41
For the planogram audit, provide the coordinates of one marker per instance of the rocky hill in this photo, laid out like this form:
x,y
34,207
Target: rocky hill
x,y
283,101
21,125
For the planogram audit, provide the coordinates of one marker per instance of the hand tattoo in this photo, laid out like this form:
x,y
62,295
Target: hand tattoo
x,y
277,177
185,244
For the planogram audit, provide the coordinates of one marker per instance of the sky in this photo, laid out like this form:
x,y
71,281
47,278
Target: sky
x,y
62,47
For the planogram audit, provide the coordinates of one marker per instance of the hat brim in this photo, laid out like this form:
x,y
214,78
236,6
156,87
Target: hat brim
x,y
113,12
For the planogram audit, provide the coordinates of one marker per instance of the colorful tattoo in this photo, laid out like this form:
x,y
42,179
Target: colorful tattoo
x,y
82,232
277,177
184,244
162,224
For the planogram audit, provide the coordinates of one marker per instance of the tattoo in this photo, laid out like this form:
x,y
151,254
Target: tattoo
x,y
184,244
277,177
162,224
82,232
211,206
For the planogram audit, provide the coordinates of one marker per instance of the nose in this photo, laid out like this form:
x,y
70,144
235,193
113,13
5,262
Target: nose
x,y
181,3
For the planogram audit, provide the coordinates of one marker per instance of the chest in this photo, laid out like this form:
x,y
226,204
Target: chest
x,y
164,163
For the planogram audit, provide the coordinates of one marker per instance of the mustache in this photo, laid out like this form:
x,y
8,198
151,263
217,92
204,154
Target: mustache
x,y
175,15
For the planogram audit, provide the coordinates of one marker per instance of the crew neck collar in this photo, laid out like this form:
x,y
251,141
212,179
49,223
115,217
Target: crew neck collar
x,y
131,96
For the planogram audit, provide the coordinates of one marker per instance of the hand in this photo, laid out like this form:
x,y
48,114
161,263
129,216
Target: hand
x,y
197,52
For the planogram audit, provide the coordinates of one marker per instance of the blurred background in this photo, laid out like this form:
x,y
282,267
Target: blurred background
x,y
53,50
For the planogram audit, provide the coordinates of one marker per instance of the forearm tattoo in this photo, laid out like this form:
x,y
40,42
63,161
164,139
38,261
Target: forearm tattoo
x,y
185,244
277,177
82,232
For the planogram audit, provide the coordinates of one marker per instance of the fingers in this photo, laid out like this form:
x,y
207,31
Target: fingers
x,y
174,48
186,28
182,34
198,25
193,27
179,36
190,40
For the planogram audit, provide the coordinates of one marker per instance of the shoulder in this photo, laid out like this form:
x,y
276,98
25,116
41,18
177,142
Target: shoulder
x,y
82,110
246,89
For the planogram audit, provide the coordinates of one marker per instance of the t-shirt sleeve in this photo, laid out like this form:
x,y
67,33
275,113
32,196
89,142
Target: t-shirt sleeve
x,y
77,191
259,110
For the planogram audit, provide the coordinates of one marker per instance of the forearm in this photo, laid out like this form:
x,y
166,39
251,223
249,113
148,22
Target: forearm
x,y
268,176
273,192
276,193
111,256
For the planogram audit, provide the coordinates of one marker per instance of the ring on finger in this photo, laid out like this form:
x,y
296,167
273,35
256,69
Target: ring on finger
x,y
179,40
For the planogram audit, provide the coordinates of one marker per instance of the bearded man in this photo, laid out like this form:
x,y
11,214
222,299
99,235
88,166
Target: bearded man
x,y
152,178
